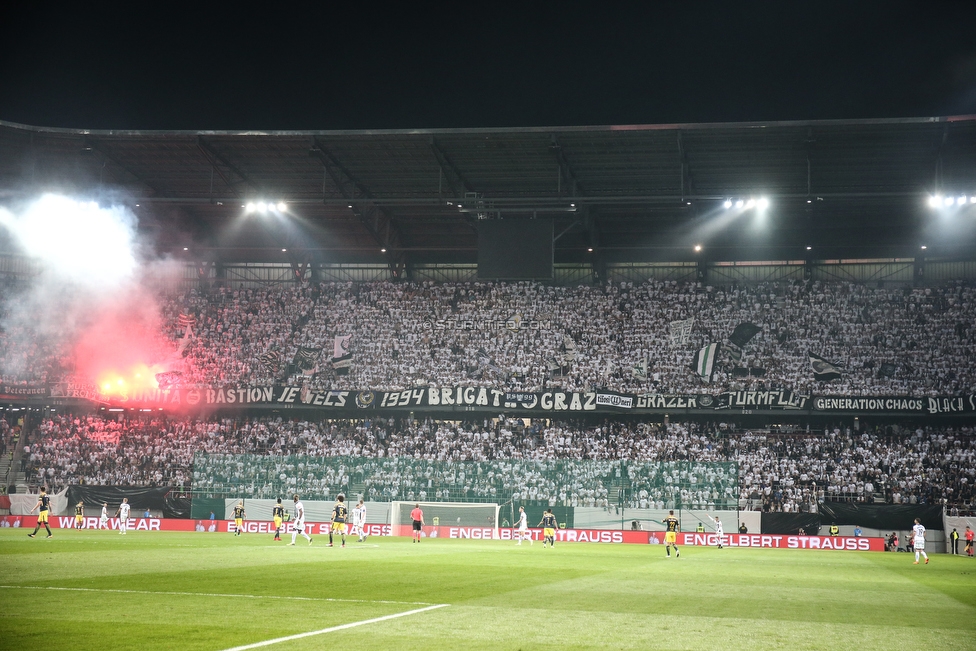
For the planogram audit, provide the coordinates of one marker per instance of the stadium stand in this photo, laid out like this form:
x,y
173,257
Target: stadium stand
x,y
608,464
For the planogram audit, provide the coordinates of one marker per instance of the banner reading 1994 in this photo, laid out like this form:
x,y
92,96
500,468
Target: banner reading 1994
x,y
494,400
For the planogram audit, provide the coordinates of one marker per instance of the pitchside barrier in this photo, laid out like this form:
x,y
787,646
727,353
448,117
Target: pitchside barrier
x,y
576,536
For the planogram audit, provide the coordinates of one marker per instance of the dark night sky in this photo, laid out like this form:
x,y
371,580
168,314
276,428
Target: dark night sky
x,y
483,65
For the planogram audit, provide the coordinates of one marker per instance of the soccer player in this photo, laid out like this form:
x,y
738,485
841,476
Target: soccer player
x,y
80,515
718,531
239,518
417,515
359,521
918,531
123,514
278,513
339,513
44,510
969,540
299,522
103,519
671,527
548,524
523,527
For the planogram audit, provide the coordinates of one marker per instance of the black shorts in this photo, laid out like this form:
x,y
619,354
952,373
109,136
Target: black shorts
x,y
416,525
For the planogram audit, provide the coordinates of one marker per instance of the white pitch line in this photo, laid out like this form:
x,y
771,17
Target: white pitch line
x,y
214,594
299,636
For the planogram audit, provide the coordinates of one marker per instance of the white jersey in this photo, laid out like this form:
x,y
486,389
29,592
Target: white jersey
x,y
919,532
124,511
718,528
359,515
523,523
299,515
104,517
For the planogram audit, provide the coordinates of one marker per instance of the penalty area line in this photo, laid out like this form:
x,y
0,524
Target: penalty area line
x,y
214,594
331,629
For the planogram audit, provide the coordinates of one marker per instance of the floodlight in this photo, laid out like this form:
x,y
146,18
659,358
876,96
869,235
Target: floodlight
x,y
751,203
763,203
740,203
924,247
809,248
281,206
262,207
972,199
727,204
961,201
948,201
382,250
250,207
698,248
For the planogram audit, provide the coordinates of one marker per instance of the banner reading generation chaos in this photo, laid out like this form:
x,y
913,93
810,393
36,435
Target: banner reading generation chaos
x,y
491,399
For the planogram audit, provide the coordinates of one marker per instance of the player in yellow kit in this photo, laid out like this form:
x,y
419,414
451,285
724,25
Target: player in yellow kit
x,y
548,524
278,513
239,517
340,514
80,515
44,506
671,527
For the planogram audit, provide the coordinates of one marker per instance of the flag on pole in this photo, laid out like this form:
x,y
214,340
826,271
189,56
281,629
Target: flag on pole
x,y
824,371
704,364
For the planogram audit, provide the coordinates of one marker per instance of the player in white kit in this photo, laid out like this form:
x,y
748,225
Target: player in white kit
x,y
918,532
103,519
123,514
299,522
523,527
718,531
359,521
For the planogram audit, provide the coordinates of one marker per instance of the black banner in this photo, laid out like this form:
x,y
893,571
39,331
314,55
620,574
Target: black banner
x,y
487,398
162,499
887,517
17,391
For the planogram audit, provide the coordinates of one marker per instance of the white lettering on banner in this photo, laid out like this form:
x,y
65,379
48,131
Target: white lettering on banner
x,y
136,524
612,400
776,541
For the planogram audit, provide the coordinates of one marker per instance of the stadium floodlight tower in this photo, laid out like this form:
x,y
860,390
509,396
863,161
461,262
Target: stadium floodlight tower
x,y
470,516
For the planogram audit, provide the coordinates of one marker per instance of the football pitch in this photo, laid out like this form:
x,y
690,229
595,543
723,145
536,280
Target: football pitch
x,y
100,590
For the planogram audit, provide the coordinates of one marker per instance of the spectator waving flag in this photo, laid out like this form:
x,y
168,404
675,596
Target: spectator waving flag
x,y
271,359
306,358
887,369
743,334
169,379
341,355
640,369
681,332
704,364
186,320
823,371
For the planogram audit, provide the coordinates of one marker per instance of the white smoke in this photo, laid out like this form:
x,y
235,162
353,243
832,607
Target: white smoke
x,y
79,243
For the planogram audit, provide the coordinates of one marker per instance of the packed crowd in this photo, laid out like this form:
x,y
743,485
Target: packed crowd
x,y
647,465
530,336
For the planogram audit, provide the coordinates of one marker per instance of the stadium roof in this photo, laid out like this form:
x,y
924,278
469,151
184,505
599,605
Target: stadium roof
x,y
847,189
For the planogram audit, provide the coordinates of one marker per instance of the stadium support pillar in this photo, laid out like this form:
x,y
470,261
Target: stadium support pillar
x,y
918,274
380,225
701,271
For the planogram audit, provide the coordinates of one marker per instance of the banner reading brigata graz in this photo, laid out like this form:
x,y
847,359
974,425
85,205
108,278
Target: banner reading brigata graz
x,y
491,399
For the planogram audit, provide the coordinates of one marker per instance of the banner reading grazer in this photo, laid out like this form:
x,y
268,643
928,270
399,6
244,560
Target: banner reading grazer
x,y
491,399
601,536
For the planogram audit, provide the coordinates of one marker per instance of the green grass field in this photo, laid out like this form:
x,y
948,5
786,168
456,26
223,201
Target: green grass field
x,y
100,590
